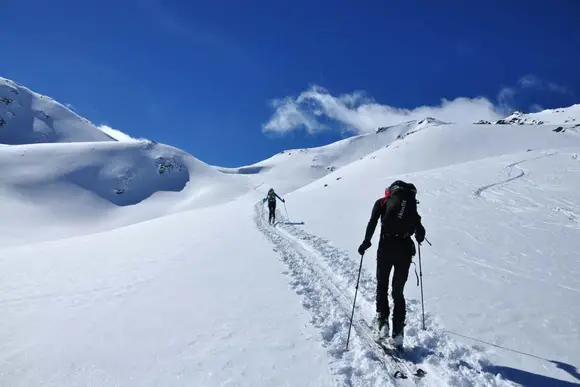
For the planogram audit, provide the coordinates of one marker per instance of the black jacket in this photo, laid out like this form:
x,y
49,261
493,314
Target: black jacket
x,y
272,198
379,212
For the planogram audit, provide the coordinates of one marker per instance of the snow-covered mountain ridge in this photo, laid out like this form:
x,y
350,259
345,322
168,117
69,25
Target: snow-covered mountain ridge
x,y
569,116
565,117
312,164
49,153
27,117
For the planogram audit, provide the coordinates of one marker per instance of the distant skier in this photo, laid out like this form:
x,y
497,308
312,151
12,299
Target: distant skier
x,y
271,198
399,220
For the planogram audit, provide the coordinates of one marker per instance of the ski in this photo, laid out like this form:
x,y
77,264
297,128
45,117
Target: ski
x,y
399,368
405,367
396,355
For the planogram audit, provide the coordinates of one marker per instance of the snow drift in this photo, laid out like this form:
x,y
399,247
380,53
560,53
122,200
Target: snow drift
x,y
55,190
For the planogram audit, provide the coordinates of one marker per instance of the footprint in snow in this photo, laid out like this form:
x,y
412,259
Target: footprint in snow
x,y
329,331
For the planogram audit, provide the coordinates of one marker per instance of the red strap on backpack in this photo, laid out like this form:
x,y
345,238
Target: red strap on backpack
x,y
387,194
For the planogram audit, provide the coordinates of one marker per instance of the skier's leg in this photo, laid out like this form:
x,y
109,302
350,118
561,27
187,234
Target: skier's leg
x,y
400,275
271,212
384,267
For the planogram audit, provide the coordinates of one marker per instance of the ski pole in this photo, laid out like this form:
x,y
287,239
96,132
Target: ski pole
x,y
421,281
354,302
427,240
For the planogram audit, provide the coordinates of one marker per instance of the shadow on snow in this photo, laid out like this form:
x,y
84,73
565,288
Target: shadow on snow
x,y
527,378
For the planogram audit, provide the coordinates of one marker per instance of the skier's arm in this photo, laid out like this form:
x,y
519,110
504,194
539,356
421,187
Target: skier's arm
x,y
372,224
282,200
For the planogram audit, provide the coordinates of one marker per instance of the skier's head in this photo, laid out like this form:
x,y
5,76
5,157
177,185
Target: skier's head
x,y
271,190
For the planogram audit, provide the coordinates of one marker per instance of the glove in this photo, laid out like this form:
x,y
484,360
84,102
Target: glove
x,y
264,200
364,246
283,201
420,237
420,233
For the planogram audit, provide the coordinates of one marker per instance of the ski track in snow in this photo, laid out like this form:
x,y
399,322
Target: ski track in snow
x,y
325,277
521,173
570,214
359,366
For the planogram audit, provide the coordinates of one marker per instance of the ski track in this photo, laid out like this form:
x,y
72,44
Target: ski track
x,y
521,173
325,278
569,213
359,366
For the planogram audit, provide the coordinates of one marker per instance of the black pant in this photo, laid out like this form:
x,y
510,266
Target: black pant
x,y
393,253
272,209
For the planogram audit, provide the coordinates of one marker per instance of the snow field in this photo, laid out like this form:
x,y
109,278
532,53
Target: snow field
x,y
502,271
137,264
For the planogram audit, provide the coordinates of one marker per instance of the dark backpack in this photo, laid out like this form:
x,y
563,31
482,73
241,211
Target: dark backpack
x,y
271,197
400,216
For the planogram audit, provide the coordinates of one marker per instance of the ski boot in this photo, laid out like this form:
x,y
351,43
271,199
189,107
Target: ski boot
x,y
382,327
397,340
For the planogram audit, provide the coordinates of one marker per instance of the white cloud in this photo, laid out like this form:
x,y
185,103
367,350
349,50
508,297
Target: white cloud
x,y
361,114
117,134
289,115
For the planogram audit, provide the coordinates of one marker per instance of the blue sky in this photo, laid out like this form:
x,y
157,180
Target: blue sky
x,y
234,82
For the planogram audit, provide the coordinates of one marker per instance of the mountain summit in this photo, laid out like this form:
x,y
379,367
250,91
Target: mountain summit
x,y
27,117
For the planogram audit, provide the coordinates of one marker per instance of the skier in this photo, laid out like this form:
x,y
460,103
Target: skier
x,y
399,220
271,198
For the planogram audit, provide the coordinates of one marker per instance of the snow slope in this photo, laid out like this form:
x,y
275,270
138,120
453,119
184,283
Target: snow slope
x,y
136,264
451,144
170,302
27,117
503,217
56,190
